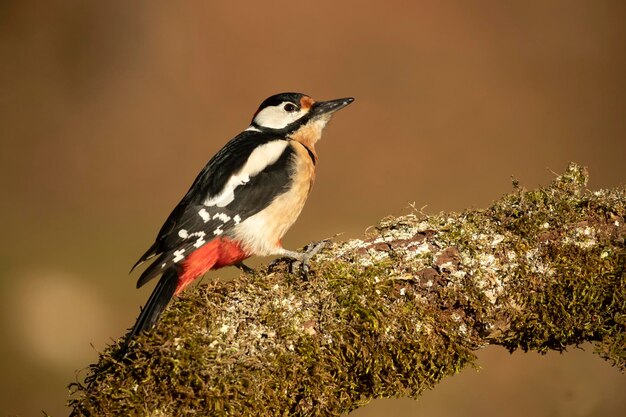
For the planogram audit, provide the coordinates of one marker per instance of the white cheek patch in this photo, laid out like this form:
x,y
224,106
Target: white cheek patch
x,y
259,159
275,117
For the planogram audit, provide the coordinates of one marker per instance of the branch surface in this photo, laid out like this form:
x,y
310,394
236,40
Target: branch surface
x,y
385,316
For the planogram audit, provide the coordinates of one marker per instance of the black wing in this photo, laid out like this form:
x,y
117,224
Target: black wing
x,y
191,224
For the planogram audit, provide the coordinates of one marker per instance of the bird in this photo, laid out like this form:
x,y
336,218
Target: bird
x,y
241,203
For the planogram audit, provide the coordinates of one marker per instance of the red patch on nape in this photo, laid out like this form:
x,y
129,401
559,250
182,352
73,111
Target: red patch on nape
x,y
215,254
306,102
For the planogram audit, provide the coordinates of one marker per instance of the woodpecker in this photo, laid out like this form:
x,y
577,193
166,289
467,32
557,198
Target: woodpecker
x,y
242,202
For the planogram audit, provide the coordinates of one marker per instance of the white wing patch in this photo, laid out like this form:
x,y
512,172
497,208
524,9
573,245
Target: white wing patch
x,y
259,159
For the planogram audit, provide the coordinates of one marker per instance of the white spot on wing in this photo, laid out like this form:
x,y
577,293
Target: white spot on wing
x,y
263,156
237,219
222,216
183,233
205,215
178,255
218,231
200,240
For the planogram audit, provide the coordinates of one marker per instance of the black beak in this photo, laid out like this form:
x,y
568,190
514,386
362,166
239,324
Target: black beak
x,y
330,106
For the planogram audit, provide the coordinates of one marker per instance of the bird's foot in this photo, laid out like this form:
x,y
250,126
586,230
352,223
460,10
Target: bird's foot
x,y
300,260
310,251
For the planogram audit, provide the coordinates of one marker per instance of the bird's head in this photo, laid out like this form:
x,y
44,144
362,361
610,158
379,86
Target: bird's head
x,y
292,112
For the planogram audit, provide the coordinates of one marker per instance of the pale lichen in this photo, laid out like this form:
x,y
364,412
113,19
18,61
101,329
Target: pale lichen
x,y
387,315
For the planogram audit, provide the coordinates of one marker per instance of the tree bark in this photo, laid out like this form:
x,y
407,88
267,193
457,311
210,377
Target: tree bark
x,y
384,316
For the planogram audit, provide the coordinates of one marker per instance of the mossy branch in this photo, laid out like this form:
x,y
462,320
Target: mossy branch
x,y
386,316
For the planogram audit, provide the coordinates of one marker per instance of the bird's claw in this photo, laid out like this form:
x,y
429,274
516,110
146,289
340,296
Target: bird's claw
x,y
300,260
310,251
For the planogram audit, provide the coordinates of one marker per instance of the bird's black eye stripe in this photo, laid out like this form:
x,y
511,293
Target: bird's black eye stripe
x,y
290,107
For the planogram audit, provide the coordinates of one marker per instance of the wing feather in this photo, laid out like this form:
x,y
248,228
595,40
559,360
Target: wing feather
x,y
192,223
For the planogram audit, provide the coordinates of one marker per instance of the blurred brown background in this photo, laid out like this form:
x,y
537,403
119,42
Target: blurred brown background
x,y
109,109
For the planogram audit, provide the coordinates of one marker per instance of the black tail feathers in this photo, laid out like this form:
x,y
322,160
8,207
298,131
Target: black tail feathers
x,y
160,297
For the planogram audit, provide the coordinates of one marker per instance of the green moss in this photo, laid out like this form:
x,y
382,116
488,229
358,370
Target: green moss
x,y
387,316
370,349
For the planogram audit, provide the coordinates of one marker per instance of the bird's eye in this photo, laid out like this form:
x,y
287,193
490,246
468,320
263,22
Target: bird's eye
x,y
290,107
